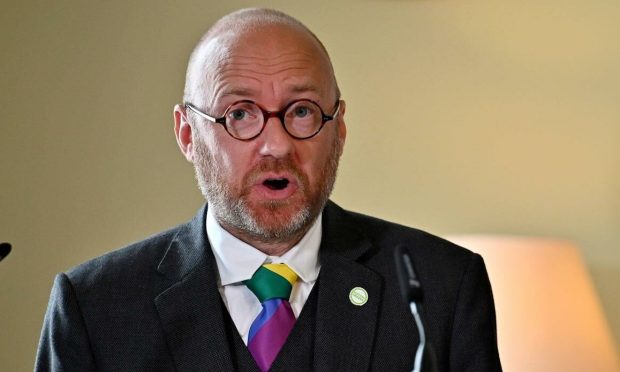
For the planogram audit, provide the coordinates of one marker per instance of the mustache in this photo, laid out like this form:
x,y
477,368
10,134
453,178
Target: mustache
x,y
284,165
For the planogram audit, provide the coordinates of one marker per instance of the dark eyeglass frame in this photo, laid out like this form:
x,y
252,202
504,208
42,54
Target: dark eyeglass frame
x,y
268,115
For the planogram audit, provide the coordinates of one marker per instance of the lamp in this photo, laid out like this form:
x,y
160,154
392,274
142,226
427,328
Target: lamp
x,y
548,314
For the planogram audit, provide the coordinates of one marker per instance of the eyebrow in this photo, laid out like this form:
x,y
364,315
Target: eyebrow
x,y
305,88
238,91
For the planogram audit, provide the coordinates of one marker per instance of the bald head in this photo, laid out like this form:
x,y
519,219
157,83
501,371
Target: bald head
x,y
219,42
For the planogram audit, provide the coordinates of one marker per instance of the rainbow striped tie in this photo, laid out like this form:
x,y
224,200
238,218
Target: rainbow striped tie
x,y
272,284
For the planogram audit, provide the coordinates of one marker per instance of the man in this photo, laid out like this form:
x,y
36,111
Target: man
x,y
263,124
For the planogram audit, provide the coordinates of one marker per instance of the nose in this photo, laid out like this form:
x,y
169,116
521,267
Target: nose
x,y
275,141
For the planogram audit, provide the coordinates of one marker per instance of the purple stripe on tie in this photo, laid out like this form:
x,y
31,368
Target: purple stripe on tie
x,y
269,308
268,341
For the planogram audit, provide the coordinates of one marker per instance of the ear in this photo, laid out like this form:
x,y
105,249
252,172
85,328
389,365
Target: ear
x,y
342,127
183,132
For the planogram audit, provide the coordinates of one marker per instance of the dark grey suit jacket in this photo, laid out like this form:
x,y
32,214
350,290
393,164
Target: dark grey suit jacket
x,y
154,306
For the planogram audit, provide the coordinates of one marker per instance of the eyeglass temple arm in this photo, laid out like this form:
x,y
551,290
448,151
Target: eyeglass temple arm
x,y
200,113
335,115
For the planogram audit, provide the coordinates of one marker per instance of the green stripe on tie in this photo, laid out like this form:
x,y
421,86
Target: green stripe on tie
x,y
266,284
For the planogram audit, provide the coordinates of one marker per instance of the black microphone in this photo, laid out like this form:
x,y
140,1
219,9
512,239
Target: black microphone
x,y
410,286
5,249
411,290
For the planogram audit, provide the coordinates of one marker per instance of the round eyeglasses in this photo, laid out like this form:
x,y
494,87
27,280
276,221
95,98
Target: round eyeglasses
x,y
245,120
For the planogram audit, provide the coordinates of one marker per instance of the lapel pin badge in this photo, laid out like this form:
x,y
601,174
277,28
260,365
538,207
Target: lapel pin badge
x,y
358,296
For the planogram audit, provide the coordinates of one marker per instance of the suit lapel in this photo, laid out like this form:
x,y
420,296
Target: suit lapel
x,y
190,310
345,332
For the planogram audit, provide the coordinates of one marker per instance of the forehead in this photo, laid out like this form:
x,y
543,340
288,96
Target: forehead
x,y
282,58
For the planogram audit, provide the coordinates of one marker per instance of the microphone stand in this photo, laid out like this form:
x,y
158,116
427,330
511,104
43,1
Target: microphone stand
x,y
411,289
419,354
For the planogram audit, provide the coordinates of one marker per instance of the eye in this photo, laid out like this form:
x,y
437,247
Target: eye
x,y
301,111
238,114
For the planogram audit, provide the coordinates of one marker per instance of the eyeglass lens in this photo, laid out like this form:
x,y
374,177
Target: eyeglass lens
x,y
301,119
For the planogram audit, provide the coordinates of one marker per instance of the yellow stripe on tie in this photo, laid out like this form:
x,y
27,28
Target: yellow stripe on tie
x,y
284,271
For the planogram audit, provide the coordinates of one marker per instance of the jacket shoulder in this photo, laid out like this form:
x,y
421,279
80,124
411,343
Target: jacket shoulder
x,y
388,235
126,263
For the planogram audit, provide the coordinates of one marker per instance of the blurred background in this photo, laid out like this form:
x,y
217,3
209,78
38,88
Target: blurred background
x,y
463,117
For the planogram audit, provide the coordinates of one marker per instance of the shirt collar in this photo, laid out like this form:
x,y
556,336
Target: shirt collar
x,y
237,261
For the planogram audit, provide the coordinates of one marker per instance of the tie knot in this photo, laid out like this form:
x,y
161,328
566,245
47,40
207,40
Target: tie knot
x,y
272,281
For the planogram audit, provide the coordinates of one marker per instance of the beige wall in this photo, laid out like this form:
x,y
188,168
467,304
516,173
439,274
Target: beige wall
x,y
463,116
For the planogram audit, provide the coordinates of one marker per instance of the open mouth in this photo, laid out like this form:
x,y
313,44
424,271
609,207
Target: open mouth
x,y
276,183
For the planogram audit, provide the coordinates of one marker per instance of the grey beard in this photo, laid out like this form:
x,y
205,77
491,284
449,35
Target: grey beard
x,y
233,211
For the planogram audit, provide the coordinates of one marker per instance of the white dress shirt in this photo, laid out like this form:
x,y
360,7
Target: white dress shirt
x,y
237,261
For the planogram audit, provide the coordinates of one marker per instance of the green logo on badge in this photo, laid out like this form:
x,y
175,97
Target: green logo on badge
x,y
358,296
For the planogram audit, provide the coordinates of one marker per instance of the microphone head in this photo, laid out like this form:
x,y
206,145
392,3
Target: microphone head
x,y
410,286
5,249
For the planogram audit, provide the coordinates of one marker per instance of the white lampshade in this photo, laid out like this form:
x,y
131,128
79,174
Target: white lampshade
x,y
548,314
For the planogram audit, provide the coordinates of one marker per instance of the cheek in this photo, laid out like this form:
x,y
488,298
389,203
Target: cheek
x,y
315,157
233,159
214,150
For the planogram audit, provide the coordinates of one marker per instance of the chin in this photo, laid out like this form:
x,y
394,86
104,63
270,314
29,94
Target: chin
x,y
281,219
